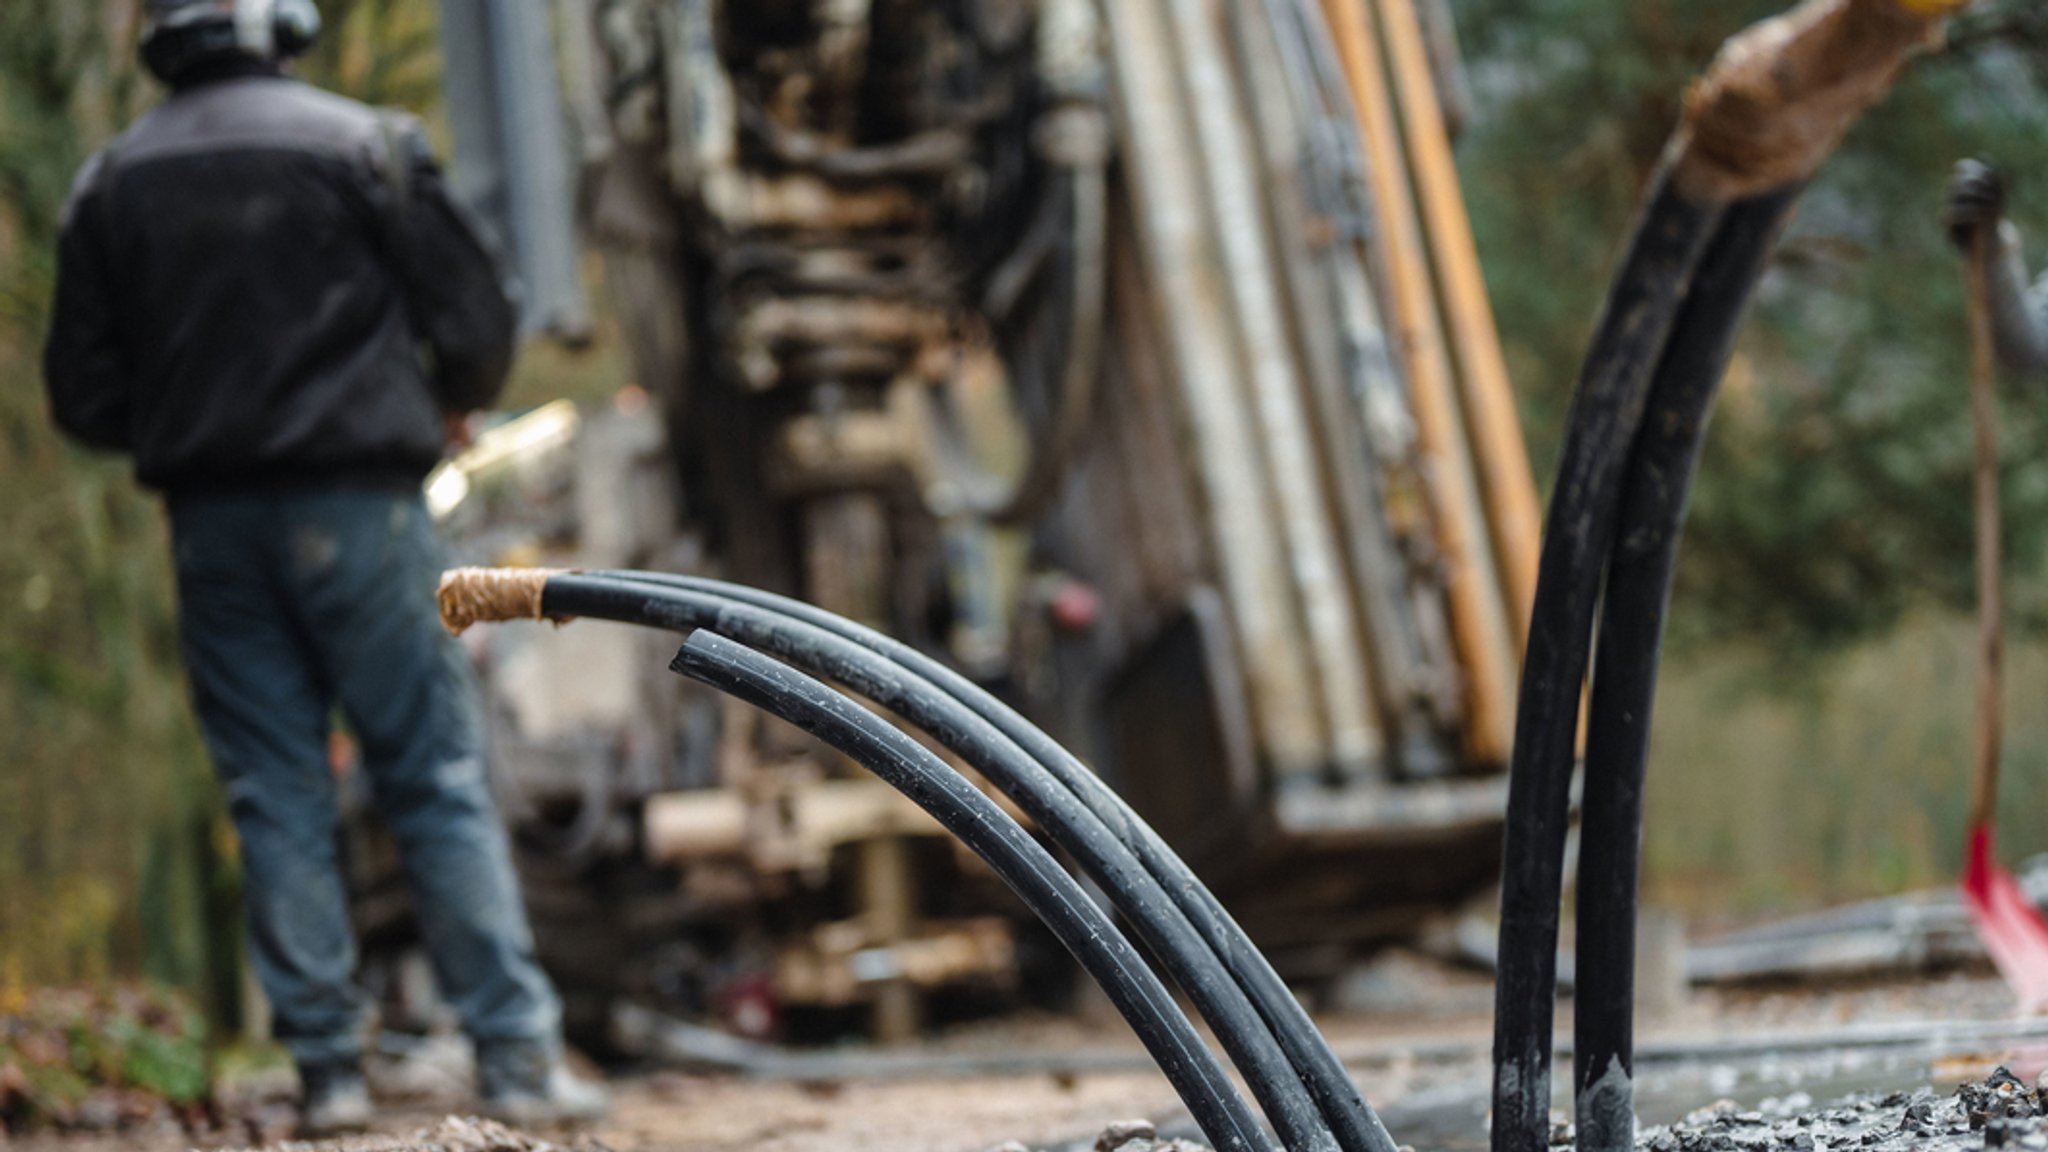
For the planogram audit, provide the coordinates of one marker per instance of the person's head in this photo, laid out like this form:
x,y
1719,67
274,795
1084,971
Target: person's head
x,y
180,37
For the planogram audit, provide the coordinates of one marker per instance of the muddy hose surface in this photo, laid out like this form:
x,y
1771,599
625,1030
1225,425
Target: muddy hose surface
x,y
1026,867
1655,486
1356,1126
1165,929
1671,238
1760,122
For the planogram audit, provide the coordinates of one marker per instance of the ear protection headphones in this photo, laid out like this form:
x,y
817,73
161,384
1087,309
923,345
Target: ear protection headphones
x,y
276,29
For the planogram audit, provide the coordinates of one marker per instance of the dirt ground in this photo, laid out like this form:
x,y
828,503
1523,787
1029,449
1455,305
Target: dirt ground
x,y
1419,1053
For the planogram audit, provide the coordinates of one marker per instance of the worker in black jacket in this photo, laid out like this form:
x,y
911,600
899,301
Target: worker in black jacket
x,y
266,297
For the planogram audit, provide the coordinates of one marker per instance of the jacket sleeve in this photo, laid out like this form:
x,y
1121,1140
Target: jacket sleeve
x,y
456,292
2019,313
84,366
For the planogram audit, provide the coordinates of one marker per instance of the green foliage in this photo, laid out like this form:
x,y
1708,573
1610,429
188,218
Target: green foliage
x,y
73,1057
93,730
380,51
1840,787
1834,494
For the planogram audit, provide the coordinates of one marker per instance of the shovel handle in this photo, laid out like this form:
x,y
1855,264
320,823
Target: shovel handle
x,y
1990,654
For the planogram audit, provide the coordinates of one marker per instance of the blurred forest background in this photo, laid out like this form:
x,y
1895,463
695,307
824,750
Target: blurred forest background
x,y
1812,737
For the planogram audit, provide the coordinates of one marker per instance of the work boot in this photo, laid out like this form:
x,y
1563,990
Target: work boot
x,y
333,1100
525,1083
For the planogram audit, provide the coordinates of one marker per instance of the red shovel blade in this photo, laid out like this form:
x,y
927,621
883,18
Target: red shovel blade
x,y
2012,931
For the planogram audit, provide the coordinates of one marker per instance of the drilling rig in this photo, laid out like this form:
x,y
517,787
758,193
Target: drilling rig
x,y
1132,356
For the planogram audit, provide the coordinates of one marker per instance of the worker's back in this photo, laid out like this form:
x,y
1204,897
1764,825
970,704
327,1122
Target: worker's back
x,y
249,274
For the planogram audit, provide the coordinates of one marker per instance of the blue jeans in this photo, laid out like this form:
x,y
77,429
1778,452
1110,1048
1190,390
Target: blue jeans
x,y
289,605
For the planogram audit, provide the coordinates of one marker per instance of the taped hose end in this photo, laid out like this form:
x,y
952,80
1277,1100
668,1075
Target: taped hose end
x,y
489,595
1780,96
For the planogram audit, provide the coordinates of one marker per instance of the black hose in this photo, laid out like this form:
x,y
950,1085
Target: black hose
x,y
1654,490
1054,807
1019,860
1357,1127
1606,409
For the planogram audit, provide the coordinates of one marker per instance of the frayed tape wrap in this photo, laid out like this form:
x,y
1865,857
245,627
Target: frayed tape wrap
x,y
489,595
1781,94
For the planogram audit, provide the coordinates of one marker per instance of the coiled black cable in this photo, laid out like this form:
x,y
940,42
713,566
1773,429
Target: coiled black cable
x,y
1607,407
1632,612
1355,1125
1139,895
1030,871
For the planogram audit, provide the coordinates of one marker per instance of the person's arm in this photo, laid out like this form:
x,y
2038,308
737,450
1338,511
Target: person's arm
x,y
84,368
456,294
2019,311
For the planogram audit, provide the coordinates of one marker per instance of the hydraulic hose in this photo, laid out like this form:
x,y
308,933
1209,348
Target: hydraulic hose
x,y
1019,860
498,595
1763,119
1357,1127
1606,409
1188,958
1654,490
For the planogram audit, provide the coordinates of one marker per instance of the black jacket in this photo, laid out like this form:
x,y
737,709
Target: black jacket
x,y
261,283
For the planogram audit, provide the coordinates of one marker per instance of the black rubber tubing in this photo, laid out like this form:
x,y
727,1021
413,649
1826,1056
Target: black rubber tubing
x,y
1607,406
1163,927
1022,863
1344,1107
1654,488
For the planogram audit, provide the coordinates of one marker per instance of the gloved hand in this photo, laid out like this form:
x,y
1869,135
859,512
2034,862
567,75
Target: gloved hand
x,y
1976,201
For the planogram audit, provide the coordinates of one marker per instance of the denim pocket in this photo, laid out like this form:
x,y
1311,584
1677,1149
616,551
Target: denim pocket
x,y
315,550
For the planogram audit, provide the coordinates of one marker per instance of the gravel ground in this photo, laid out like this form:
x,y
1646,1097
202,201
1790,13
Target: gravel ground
x,y
2000,1111
1419,1053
